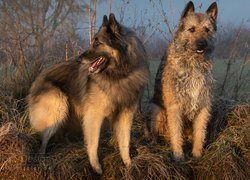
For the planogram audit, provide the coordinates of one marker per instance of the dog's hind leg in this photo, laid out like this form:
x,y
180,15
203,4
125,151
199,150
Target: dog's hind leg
x,y
122,129
46,135
47,112
91,127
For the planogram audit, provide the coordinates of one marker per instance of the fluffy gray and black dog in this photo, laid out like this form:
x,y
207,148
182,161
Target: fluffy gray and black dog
x,y
105,82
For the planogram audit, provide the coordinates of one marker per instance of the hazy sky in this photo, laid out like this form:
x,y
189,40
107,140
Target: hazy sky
x,y
230,11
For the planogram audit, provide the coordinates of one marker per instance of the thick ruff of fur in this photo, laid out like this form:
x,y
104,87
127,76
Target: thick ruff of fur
x,y
184,83
105,82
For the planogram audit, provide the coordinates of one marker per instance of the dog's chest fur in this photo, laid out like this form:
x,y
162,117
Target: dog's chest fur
x,y
192,80
113,95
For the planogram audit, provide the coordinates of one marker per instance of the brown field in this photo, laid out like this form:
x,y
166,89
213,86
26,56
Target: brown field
x,y
226,156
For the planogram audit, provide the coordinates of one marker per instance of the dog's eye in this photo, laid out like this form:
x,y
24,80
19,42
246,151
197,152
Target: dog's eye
x,y
96,42
206,29
192,29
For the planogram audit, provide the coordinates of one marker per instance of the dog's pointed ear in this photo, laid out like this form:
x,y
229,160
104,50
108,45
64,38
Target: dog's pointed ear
x,y
113,23
212,11
189,9
105,21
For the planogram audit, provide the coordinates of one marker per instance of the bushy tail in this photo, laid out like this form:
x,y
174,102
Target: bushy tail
x,y
156,121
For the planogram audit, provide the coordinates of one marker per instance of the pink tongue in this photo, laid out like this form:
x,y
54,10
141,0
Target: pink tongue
x,y
95,65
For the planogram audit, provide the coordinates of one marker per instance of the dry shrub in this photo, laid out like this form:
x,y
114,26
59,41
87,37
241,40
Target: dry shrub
x,y
15,148
13,110
228,156
18,78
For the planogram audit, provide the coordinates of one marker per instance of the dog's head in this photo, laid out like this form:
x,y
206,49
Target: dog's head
x,y
108,47
197,30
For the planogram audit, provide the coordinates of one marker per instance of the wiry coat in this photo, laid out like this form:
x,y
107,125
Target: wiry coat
x,y
105,82
183,87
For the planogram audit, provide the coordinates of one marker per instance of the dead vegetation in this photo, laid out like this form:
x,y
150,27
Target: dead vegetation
x,y
226,156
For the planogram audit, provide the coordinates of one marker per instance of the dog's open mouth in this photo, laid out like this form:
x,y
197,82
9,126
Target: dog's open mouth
x,y
96,64
200,51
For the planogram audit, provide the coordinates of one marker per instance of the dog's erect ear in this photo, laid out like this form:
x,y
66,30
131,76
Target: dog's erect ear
x,y
189,9
114,25
212,11
105,21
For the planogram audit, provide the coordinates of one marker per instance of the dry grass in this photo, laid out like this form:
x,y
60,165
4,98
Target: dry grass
x,y
227,155
145,165
15,148
18,78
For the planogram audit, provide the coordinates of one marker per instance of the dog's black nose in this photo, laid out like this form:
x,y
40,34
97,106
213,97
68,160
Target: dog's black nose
x,y
201,44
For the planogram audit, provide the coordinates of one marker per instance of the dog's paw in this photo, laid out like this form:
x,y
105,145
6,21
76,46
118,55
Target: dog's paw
x,y
196,153
127,162
178,157
98,169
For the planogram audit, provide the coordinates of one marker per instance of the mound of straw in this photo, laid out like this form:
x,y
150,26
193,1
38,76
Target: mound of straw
x,y
226,155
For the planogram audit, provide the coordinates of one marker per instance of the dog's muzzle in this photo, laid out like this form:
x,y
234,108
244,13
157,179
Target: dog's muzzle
x,y
201,46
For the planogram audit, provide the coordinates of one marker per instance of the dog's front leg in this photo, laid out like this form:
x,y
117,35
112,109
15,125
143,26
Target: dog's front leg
x,y
175,129
199,131
122,129
91,127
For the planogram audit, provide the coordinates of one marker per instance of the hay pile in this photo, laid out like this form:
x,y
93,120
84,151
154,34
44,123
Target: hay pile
x,y
18,158
15,148
227,154
228,157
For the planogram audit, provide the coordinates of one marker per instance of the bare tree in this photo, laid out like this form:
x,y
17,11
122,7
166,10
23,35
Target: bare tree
x,y
90,22
230,60
160,8
35,22
110,6
122,10
94,17
241,80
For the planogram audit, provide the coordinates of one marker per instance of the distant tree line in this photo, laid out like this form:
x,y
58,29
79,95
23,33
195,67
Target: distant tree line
x,y
49,30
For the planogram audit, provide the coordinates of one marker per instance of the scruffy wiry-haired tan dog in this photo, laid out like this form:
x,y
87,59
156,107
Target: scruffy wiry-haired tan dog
x,y
184,82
